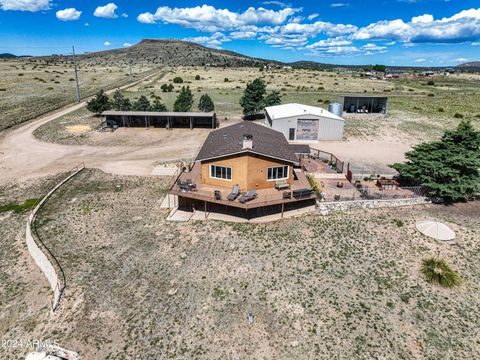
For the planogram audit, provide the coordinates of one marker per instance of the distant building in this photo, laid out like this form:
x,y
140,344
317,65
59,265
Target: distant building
x,y
364,104
304,122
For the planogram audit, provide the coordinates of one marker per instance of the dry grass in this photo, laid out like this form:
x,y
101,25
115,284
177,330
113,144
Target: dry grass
x,y
348,284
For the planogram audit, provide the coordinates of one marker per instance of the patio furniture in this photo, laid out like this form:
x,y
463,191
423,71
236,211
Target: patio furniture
x,y
234,193
252,194
298,194
282,184
340,184
217,194
336,197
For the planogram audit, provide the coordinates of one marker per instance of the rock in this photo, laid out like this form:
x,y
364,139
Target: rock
x,y
172,292
294,343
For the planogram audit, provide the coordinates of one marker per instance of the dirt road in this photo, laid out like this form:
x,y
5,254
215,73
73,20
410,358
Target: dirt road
x,y
23,157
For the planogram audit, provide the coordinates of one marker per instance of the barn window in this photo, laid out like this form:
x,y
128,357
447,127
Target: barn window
x,y
220,172
277,173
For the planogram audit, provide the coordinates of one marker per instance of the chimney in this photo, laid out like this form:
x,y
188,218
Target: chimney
x,y
247,141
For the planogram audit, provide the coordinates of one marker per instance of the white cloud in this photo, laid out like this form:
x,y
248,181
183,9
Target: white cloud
x,y
86,24
312,16
337,5
209,19
319,27
214,41
461,27
69,14
107,43
329,43
146,18
461,60
243,35
106,11
420,60
25,5
127,44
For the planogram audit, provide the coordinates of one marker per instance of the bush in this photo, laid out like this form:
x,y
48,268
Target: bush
x,y
458,116
226,80
441,110
177,80
431,83
197,77
431,95
313,183
438,272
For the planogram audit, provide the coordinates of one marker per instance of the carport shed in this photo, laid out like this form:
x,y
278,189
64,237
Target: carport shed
x,y
364,104
166,120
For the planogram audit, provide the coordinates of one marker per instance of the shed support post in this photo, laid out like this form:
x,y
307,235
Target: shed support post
x,y
191,123
146,124
283,205
205,209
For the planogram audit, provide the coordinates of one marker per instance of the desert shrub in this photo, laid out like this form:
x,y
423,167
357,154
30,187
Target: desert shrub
x,y
3,89
431,94
313,183
19,208
441,110
197,77
431,83
438,272
177,80
226,80
458,116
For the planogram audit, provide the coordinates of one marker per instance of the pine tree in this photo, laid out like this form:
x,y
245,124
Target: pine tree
x,y
158,105
206,104
273,98
252,100
99,103
142,104
448,168
120,102
184,100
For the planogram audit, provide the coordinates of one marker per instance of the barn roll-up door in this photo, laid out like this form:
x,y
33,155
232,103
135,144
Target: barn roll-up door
x,y
307,129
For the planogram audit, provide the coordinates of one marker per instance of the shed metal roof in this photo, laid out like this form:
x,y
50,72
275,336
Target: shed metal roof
x,y
291,110
229,141
154,113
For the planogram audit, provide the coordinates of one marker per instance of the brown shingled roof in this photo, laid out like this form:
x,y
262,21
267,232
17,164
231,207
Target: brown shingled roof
x,y
229,140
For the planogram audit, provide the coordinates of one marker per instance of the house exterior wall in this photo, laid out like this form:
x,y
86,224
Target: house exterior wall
x,y
328,129
248,171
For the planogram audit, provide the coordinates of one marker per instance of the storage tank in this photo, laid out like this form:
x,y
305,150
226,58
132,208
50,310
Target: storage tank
x,y
336,109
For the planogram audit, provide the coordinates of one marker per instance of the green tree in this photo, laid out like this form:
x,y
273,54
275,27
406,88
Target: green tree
x,y
120,102
158,106
252,100
142,104
170,87
99,103
206,104
379,68
184,100
177,80
448,168
197,77
273,98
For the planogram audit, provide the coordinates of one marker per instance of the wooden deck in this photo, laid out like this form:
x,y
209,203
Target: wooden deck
x,y
265,197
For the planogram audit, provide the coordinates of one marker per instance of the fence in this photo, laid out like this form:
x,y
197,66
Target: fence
x,y
359,173
41,254
324,155
377,194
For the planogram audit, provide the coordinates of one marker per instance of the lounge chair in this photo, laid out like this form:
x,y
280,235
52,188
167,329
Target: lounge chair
x,y
300,193
252,194
234,194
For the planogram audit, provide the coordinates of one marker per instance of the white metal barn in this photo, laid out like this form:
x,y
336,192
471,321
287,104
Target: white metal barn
x,y
304,123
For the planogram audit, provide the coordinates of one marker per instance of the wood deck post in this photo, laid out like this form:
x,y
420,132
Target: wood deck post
x,y
191,123
205,209
283,205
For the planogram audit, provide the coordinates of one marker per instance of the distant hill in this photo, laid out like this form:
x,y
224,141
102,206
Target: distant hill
x,y
170,53
7,56
472,65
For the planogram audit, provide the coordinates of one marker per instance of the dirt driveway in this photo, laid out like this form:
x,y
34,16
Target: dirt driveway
x,y
23,157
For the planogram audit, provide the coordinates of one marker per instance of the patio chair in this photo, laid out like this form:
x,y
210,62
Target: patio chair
x,y
217,194
252,194
234,193
282,184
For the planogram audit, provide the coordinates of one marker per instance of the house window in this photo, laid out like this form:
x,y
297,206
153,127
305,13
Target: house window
x,y
220,172
278,173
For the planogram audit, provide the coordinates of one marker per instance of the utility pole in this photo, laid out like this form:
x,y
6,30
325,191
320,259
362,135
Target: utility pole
x,y
76,74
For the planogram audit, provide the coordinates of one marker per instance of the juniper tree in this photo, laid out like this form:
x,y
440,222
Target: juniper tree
x,y
142,104
448,168
252,100
272,98
99,103
120,102
206,104
184,100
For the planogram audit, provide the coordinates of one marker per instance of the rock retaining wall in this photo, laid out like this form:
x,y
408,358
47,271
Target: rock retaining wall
x,y
325,208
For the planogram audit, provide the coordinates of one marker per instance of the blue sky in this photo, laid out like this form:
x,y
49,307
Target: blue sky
x,y
396,32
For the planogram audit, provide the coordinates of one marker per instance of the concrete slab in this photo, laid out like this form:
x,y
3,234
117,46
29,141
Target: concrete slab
x,y
169,202
163,171
179,215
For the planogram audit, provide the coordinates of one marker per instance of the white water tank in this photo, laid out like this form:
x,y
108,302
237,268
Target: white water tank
x,y
336,109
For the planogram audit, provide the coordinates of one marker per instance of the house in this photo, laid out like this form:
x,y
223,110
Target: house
x,y
364,104
239,159
304,122
165,119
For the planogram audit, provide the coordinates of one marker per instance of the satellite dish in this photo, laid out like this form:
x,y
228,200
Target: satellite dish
x,y
435,230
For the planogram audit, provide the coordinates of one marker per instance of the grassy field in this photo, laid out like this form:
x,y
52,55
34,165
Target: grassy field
x,y
344,286
31,88
416,111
